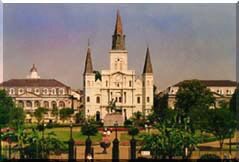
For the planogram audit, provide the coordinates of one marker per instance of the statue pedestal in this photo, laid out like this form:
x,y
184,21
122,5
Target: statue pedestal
x,y
110,119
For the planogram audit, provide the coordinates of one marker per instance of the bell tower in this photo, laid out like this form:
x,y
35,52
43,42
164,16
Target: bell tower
x,y
118,53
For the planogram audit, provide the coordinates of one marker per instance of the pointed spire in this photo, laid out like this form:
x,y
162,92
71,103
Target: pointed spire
x,y
118,24
147,65
33,69
118,42
33,73
88,61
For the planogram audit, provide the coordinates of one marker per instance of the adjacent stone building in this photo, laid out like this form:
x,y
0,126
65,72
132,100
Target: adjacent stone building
x,y
222,90
118,85
35,92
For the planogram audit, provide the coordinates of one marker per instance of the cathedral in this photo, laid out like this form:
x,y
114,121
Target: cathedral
x,y
117,87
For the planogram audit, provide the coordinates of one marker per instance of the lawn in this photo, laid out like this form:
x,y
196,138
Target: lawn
x,y
63,134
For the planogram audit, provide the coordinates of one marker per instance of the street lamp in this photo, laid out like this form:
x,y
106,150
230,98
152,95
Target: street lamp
x,y
116,125
230,141
71,155
43,138
115,149
187,121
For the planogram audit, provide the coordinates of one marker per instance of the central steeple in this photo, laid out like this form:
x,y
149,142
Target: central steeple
x,y
118,41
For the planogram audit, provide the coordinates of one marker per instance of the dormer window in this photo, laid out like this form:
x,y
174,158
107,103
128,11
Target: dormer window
x,y
45,91
61,91
20,91
37,91
53,91
12,91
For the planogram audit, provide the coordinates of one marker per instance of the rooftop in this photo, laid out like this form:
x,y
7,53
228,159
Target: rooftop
x,y
32,83
214,83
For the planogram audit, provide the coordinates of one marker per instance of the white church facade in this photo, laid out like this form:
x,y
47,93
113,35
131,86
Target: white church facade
x,y
118,85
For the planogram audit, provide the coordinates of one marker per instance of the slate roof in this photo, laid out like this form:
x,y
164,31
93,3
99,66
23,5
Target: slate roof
x,y
148,65
215,83
33,83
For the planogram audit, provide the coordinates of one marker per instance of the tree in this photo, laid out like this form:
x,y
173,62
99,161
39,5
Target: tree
x,y
89,129
160,108
65,113
35,146
234,102
133,131
170,142
17,117
138,119
79,117
39,114
55,113
193,100
221,123
6,106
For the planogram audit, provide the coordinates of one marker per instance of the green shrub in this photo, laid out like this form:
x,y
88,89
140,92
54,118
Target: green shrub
x,y
128,123
133,131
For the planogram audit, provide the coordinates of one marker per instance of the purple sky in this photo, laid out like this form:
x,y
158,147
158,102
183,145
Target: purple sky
x,y
186,40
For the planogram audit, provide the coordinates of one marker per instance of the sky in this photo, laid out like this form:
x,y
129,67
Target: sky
x,y
186,41
1,41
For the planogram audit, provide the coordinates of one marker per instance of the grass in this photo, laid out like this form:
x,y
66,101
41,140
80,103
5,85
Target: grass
x,y
63,134
125,137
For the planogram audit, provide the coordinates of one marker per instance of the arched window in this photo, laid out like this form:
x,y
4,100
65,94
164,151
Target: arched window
x,y
97,116
21,103
46,104
29,104
124,97
148,99
97,99
138,100
120,99
130,83
106,83
121,65
61,104
88,99
53,104
36,104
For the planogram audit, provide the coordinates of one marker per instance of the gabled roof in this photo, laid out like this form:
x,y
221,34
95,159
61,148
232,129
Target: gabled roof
x,y
215,83
32,83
